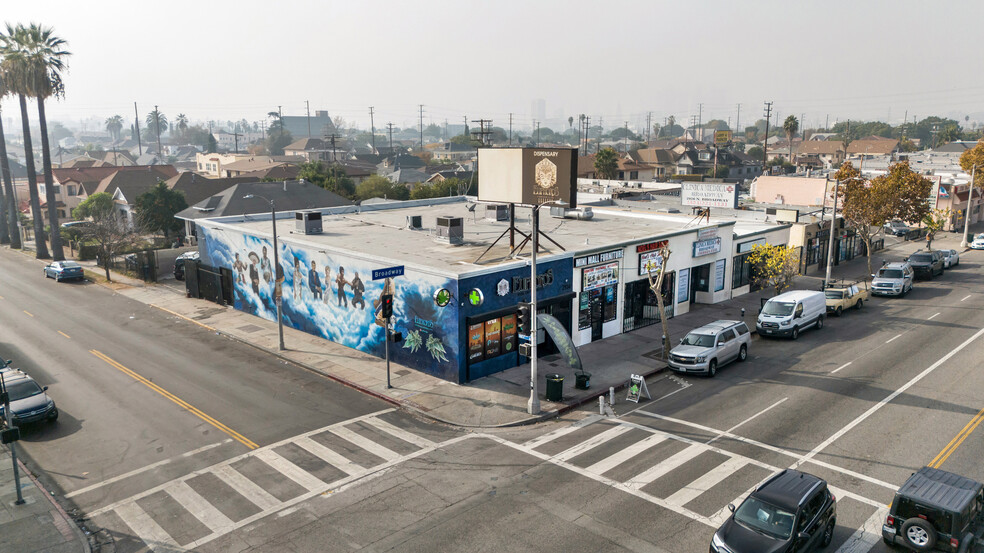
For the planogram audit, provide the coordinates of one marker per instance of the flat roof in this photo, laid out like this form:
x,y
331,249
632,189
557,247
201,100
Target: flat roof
x,y
381,232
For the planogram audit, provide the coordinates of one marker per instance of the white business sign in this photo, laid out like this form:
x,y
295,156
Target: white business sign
x,y
706,194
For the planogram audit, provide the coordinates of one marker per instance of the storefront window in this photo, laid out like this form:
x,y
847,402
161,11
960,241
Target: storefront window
x,y
742,274
491,338
641,307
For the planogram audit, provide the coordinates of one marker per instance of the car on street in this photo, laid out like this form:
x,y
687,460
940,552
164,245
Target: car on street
x,y
179,263
706,348
936,510
951,258
790,312
926,264
791,512
64,270
896,228
893,279
842,295
29,401
978,243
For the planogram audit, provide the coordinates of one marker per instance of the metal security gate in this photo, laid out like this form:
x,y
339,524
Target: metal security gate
x,y
210,283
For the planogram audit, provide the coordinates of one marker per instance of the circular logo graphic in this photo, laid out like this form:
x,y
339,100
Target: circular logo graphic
x,y
475,297
442,297
502,288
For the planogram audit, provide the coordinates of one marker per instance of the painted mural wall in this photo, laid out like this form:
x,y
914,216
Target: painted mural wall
x,y
334,296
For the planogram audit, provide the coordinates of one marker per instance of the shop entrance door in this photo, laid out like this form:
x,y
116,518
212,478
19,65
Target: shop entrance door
x,y
700,277
597,307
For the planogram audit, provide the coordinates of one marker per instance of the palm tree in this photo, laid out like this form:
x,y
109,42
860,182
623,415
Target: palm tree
x,y
790,125
114,125
31,65
181,122
10,206
156,122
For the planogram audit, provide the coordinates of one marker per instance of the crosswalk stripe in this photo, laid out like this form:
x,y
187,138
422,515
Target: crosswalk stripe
x,y
591,443
612,461
647,476
309,481
392,430
329,456
550,436
246,487
865,537
149,531
199,507
365,443
707,481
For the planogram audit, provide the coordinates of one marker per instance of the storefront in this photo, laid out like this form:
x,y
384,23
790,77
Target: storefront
x,y
709,265
596,277
641,305
746,238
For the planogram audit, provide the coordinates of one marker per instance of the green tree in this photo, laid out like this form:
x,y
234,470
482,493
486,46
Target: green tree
x,y
114,125
934,221
211,146
773,266
949,134
107,230
790,125
157,207
277,140
970,161
377,186
156,122
330,177
755,152
442,189
465,139
606,163
98,205
181,124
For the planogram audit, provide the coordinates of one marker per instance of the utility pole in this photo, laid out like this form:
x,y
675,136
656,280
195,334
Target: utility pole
x,y
625,139
537,134
390,127
307,104
738,120
136,127
510,129
157,123
833,220
482,133
826,124
10,425
235,135
649,127
421,126
280,116
445,130
372,129
587,127
700,120
765,143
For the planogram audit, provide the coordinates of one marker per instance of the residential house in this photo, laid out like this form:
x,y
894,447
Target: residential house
x,y
319,124
628,169
74,185
451,152
127,186
197,187
820,154
215,164
315,149
399,161
661,161
957,146
441,176
871,146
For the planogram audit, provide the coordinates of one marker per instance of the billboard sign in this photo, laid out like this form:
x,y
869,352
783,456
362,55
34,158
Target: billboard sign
x,y
528,176
722,137
709,194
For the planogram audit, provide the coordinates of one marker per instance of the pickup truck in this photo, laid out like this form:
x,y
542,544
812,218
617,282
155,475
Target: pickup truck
x,y
841,296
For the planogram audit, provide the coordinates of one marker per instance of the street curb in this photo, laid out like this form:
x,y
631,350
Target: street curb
x,y
71,522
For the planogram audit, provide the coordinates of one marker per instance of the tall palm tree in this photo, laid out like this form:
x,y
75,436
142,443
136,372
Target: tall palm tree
x,y
32,61
790,125
156,122
10,205
181,123
114,125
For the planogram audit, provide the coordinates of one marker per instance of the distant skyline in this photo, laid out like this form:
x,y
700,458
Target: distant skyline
x,y
614,61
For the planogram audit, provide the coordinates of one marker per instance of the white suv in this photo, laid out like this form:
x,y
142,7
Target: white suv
x,y
892,279
709,346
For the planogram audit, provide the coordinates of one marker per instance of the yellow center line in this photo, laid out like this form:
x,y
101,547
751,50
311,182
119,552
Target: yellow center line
x,y
65,335
28,313
187,406
957,440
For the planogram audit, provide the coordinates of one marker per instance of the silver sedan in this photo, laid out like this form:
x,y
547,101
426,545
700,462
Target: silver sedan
x,y
951,258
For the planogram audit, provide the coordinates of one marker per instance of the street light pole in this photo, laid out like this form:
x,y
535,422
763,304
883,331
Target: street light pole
x,y
277,297
830,242
970,196
10,424
533,407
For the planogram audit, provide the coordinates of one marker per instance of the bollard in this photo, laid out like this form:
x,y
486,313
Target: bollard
x,y
611,395
743,313
601,405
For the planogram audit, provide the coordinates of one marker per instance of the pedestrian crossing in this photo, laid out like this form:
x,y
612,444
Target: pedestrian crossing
x,y
353,449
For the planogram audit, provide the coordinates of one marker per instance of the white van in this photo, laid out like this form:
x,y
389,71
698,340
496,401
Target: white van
x,y
789,313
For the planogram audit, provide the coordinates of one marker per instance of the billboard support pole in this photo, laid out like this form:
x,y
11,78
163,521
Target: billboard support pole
x,y
533,406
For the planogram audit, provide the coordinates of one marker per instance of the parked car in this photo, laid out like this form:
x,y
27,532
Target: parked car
x,y
936,510
978,243
790,312
926,264
896,228
791,512
64,270
951,258
179,263
29,402
893,279
703,349
841,296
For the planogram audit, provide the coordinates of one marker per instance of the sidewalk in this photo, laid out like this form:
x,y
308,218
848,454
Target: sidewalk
x,y
497,400
40,525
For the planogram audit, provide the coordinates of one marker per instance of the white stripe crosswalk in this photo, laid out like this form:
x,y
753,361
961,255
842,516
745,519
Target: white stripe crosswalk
x,y
199,507
608,463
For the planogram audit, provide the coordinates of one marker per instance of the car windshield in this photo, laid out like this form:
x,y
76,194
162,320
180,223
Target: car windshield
x,y
834,294
23,389
703,340
777,308
763,517
890,273
921,258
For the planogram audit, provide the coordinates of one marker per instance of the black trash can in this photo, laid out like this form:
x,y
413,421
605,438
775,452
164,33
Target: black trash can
x,y
555,387
582,380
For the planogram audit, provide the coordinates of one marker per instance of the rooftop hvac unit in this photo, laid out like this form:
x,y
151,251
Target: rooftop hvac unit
x,y
414,222
451,230
582,213
308,222
496,212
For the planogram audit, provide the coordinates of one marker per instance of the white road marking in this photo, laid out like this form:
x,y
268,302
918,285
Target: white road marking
x,y
392,430
967,297
864,538
860,418
591,443
894,338
933,317
199,507
651,474
149,531
329,456
307,480
365,443
608,463
844,366
551,436
732,429
246,487
145,469
710,479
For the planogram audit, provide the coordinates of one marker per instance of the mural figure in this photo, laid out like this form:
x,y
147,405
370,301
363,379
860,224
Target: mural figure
x,y
341,282
297,278
239,267
327,284
265,267
314,281
254,274
357,289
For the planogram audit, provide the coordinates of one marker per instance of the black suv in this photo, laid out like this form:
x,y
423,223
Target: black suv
x,y
791,512
926,263
936,510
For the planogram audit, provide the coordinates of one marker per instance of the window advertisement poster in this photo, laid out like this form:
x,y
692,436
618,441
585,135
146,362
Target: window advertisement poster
x,y
600,276
476,342
650,262
683,292
509,334
493,338
719,275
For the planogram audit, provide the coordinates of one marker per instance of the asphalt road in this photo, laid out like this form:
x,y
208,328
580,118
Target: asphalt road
x,y
863,402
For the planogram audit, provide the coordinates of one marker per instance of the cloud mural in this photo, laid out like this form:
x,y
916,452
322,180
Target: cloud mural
x,y
333,296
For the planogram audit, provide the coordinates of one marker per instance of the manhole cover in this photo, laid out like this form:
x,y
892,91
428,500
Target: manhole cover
x,y
250,328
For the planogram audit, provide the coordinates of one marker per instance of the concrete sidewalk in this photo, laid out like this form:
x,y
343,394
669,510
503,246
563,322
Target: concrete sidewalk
x,y
39,525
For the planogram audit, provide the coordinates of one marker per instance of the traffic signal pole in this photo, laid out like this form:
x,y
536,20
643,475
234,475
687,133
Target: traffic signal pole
x,y
388,386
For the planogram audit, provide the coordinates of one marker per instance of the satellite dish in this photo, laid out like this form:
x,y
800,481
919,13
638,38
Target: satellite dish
x,y
471,207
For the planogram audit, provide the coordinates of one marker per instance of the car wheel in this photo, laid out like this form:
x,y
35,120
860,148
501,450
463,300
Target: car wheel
x,y
743,353
859,305
839,311
53,416
828,533
918,534
712,368
796,333
819,322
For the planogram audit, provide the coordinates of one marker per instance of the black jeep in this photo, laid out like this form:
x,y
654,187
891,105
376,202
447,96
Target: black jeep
x,y
937,510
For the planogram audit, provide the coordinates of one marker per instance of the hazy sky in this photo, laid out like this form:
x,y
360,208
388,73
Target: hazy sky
x,y
613,60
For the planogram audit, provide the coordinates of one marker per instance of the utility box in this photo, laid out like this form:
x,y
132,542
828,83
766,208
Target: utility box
x,y
308,222
451,230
